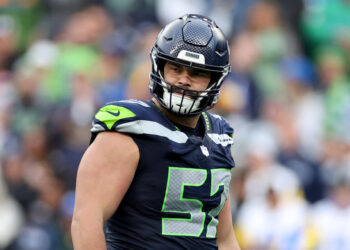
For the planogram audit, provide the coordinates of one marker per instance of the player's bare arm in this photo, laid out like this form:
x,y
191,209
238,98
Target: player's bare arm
x,y
226,239
105,173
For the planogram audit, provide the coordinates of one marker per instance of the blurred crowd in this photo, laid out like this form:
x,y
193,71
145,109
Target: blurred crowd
x,y
288,98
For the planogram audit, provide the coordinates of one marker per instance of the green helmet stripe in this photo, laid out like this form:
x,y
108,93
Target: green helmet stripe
x,y
110,114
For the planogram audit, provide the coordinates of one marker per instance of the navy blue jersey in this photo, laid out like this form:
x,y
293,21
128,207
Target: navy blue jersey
x,y
180,184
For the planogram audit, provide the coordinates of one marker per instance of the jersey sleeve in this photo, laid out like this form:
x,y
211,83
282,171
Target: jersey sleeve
x,y
120,116
221,133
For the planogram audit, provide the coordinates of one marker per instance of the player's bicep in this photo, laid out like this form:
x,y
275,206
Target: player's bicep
x,y
225,235
105,174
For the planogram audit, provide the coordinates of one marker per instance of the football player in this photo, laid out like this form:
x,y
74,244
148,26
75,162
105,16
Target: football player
x,y
157,172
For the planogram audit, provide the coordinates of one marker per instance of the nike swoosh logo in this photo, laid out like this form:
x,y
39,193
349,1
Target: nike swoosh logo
x,y
115,114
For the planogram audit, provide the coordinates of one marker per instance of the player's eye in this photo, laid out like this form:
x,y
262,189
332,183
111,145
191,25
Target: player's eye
x,y
175,68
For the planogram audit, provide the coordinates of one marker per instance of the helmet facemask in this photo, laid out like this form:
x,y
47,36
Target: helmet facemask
x,y
179,100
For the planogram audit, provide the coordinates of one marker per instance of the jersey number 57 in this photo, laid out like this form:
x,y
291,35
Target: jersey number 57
x,y
174,201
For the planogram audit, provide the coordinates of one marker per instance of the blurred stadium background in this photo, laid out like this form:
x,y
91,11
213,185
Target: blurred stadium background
x,y
288,98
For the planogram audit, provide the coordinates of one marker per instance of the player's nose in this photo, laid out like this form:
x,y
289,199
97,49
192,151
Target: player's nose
x,y
185,79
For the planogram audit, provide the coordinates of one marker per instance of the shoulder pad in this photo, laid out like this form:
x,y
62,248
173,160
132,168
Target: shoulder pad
x,y
118,112
220,132
134,117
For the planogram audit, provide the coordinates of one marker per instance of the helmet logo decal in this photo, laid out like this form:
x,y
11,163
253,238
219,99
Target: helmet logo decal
x,y
154,56
191,57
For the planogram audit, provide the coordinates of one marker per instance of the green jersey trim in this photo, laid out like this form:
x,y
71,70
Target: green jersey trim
x,y
110,114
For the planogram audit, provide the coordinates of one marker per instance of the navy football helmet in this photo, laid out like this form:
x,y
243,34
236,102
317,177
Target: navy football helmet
x,y
194,41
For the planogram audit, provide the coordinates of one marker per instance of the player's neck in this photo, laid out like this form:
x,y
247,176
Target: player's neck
x,y
188,121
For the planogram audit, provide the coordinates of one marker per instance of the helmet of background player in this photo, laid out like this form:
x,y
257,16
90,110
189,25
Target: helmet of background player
x,y
197,42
